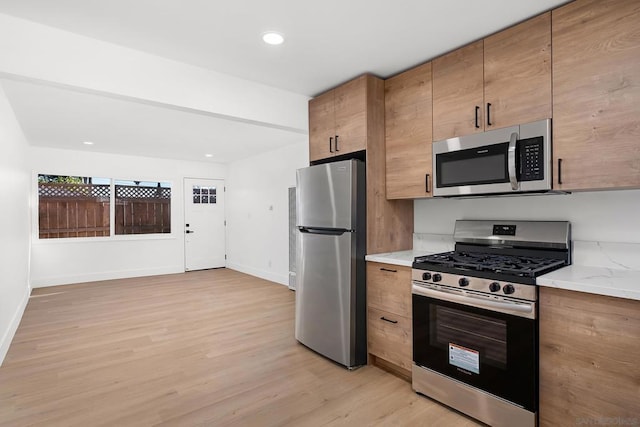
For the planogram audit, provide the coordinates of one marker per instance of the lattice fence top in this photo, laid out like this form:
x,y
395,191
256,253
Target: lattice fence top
x,y
133,192
65,190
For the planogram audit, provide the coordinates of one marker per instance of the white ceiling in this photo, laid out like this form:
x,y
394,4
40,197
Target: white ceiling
x,y
60,118
327,42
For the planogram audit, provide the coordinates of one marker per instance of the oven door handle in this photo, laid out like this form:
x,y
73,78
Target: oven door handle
x,y
511,155
520,309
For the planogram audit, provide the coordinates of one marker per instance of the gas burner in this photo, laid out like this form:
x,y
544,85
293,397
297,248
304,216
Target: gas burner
x,y
508,265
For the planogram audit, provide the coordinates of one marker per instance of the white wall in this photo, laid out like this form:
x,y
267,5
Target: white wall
x,y
14,217
258,211
605,216
73,260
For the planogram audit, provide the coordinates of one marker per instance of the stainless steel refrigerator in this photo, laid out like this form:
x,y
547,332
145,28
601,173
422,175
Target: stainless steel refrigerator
x,y
331,245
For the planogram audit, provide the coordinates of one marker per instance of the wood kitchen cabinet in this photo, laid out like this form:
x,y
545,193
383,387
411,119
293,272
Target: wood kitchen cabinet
x,y
338,119
596,95
389,337
354,112
408,132
500,81
589,358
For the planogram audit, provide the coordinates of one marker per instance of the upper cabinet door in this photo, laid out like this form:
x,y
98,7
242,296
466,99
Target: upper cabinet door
x,y
408,121
351,116
458,92
596,94
517,74
321,126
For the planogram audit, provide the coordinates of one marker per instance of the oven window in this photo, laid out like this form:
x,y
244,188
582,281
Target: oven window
x,y
473,332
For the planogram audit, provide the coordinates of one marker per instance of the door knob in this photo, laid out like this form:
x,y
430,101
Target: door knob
x,y
189,231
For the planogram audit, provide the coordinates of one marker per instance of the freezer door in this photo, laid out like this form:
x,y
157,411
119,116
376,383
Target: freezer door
x,y
326,195
325,295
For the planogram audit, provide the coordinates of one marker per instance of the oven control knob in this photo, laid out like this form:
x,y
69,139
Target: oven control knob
x,y
437,277
463,281
508,289
426,276
494,287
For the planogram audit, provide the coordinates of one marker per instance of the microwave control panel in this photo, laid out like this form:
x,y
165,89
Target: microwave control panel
x,y
531,159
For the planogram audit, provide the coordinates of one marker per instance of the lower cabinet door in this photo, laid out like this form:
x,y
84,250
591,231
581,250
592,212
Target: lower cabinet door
x,y
389,337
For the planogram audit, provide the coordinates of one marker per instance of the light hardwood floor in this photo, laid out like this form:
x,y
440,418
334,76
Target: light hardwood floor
x,y
203,348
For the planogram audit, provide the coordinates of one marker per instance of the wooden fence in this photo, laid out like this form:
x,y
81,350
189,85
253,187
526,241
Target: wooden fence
x,y
73,210
83,210
143,210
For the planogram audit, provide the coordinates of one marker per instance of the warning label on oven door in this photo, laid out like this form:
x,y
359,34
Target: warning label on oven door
x,y
464,358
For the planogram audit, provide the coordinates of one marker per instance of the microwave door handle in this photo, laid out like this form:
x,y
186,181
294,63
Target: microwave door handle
x,y
511,161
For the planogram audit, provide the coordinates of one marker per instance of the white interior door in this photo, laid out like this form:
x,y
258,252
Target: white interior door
x,y
204,224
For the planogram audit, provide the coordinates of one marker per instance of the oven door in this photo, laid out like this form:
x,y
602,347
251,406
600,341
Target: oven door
x,y
493,349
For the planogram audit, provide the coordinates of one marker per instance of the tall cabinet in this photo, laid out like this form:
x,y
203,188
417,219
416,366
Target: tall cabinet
x,y
596,95
408,134
349,119
502,80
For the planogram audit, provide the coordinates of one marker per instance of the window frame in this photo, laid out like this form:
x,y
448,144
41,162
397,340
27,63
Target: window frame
x,y
112,237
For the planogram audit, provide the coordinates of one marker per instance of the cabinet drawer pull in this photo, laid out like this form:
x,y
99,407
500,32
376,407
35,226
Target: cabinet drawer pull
x,y
488,114
388,269
331,144
337,149
388,320
477,111
426,183
560,171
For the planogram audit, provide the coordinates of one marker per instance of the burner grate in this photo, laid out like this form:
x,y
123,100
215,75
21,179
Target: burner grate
x,y
524,266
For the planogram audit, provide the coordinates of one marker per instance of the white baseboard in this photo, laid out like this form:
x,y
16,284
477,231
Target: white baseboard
x,y
43,282
8,335
282,279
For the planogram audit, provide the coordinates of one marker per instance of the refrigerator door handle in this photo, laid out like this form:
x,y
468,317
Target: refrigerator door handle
x,y
324,231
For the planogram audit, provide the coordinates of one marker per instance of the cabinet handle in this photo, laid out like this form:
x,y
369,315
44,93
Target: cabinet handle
x,y
388,269
331,144
426,183
560,171
337,149
488,114
477,111
388,320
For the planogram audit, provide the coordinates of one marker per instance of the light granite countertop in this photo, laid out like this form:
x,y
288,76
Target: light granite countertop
x,y
595,280
403,258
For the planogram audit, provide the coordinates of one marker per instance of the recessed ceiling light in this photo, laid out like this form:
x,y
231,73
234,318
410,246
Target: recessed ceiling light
x,y
273,38
88,143
208,155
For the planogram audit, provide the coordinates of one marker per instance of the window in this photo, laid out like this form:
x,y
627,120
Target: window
x,y
73,206
204,194
142,207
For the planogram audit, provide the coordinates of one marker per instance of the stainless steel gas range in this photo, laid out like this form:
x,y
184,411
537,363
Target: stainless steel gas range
x,y
475,323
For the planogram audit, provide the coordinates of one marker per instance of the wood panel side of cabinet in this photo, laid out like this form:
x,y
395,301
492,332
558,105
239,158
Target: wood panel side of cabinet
x,y
457,91
321,125
589,357
389,222
517,74
596,94
351,108
408,132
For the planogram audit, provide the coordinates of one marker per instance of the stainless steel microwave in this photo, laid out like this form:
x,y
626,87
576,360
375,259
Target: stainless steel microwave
x,y
516,159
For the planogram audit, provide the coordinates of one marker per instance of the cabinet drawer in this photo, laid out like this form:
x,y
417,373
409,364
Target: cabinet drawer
x,y
389,288
387,340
